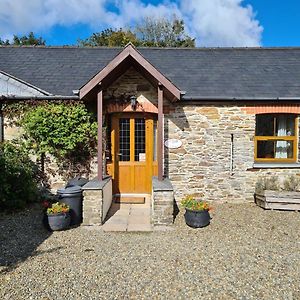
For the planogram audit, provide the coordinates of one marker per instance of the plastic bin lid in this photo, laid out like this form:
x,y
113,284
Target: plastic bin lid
x,y
80,181
70,190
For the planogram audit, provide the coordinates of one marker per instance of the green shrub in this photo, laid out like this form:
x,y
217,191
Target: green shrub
x,y
66,131
18,180
60,129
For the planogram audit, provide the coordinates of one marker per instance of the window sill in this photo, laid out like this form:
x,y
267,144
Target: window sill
x,y
276,165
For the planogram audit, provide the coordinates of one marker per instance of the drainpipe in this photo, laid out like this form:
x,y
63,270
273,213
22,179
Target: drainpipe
x,y
231,154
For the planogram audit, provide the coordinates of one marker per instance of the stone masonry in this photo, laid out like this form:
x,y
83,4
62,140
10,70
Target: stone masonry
x,y
162,202
204,164
95,194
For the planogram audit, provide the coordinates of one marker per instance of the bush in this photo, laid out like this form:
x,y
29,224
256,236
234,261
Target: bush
x,y
18,180
60,129
66,131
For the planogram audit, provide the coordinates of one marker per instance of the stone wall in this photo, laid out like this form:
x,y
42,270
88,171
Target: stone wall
x,y
55,177
97,198
129,84
204,164
162,202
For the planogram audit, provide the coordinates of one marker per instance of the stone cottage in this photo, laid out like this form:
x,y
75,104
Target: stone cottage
x,y
180,121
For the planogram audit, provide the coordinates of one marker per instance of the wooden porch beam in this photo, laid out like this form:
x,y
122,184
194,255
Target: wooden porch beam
x,y
100,120
160,127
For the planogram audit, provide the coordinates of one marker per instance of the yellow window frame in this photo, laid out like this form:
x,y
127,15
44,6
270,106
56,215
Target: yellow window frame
x,y
293,138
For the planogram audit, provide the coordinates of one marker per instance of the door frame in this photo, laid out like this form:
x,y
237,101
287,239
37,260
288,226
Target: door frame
x,y
150,164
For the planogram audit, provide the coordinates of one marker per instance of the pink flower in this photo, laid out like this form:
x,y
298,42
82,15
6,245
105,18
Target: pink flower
x,y
45,203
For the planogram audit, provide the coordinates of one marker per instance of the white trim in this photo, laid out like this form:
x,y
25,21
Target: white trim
x,y
276,165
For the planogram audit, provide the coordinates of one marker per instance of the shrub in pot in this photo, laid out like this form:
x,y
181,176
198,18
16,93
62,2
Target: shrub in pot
x,y
58,216
196,212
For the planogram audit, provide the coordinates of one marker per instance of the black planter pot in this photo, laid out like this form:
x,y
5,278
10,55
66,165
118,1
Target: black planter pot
x,y
197,218
59,221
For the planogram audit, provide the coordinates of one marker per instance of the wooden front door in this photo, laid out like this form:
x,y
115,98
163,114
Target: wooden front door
x,y
133,148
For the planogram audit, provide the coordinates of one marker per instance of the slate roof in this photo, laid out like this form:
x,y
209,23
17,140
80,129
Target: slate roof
x,y
201,72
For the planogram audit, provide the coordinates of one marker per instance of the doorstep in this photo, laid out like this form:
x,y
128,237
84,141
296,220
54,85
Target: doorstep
x,y
123,217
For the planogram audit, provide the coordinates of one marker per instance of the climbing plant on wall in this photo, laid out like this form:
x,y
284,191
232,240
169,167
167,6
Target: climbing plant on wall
x,y
67,131
60,129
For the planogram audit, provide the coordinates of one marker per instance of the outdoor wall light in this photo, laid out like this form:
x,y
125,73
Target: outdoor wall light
x,y
133,102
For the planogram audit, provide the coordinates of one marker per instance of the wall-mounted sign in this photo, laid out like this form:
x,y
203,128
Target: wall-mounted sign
x,y
142,156
173,144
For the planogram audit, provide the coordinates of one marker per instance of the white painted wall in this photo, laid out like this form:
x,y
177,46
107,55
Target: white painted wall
x,y
10,86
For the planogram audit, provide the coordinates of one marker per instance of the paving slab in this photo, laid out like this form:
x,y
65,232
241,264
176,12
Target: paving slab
x,y
114,227
139,227
138,219
117,220
140,212
129,217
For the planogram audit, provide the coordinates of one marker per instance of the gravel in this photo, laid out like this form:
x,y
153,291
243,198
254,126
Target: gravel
x,y
246,253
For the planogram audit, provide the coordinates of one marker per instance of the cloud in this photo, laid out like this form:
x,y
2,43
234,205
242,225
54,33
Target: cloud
x,y
212,22
222,22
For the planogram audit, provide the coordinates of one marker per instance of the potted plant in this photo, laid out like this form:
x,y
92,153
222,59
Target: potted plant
x,y
58,216
196,212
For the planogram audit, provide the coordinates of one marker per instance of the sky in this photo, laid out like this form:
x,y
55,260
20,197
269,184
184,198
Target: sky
x,y
214,23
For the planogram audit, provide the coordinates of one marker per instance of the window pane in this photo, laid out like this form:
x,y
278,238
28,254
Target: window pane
x,y
275,125
264,125
108,139
275,149
124,129
154,140
140,142
285,125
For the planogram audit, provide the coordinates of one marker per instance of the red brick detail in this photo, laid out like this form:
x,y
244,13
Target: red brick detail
x,y
145,106
268,109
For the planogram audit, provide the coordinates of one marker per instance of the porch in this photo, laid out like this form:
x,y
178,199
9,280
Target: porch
x,y
129,96
100,207
129,216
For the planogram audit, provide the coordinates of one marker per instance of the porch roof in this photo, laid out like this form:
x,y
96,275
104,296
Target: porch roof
x,y
129,56
212,73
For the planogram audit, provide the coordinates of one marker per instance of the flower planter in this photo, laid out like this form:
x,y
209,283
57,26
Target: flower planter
x,y
59,221
196,218
281,200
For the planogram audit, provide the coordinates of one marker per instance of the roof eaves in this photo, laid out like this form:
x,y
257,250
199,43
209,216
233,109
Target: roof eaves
x,y
220,98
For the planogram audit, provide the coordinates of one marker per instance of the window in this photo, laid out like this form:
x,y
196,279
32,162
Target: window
x,y
276,138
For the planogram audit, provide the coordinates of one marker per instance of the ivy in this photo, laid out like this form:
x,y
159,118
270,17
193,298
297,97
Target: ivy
x,y
60,129
65,130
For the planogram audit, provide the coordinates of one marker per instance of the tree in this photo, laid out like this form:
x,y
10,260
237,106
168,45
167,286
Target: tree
x,y
28,40
6,42
110,38
163,33
149,33
24,40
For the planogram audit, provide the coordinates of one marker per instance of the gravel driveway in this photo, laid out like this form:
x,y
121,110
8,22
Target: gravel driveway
x,y
246,253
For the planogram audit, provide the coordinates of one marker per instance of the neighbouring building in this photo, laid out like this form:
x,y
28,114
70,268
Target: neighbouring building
x,y
204,121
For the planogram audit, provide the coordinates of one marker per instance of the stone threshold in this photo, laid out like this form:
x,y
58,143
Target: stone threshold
x,y
124,217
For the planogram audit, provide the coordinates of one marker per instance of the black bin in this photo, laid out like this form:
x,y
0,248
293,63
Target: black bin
x,y
72,196
80,181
